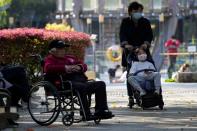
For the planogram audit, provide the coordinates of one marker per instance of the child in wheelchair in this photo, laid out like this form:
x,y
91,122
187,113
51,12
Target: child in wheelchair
x,y
73,69
144,79
143,70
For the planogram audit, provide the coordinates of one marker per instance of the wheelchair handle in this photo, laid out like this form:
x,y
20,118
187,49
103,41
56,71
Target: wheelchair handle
x,y
39,57
36,56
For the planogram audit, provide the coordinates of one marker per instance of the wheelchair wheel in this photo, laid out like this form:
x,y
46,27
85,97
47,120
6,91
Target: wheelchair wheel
x,y
43,104
68,119
70,106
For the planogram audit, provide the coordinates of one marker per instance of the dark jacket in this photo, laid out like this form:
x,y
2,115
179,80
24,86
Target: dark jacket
x,y
135,35
57,65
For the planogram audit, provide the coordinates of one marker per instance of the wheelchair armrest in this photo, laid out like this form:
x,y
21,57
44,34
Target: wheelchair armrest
x,y
91,80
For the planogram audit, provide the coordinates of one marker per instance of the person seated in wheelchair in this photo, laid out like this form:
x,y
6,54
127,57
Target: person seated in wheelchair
x,y
146,71
4,84
73,69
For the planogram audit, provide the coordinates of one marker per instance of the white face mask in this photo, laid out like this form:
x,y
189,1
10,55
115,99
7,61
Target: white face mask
x,y
136,16
142,57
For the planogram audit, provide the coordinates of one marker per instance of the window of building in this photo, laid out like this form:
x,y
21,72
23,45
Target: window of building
x,y
69,5
149,4
90,4
113,4
157,4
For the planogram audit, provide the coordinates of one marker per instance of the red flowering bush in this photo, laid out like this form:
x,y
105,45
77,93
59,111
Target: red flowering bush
x,y
17,44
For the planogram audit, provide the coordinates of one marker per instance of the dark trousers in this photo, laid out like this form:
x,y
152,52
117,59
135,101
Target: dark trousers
x,y
16,75
96,87
171,68
16,93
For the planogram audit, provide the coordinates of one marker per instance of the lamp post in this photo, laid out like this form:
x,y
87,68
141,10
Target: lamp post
x,y
101,20
89,22
161,27
93,38
101,43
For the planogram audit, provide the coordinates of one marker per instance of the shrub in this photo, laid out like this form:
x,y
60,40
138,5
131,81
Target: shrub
x,y
18,44
59,27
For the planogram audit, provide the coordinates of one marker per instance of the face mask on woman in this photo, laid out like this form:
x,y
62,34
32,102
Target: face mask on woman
x,y
136,16
142,57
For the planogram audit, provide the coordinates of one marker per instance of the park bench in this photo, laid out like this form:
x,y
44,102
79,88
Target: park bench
x,y
187,77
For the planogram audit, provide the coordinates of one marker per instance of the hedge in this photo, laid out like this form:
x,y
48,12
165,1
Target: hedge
x,y
20,43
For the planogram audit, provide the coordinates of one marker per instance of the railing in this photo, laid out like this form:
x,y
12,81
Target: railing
x,y
178,54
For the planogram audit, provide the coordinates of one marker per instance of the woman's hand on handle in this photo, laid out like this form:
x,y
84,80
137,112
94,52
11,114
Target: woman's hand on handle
x,y
129,47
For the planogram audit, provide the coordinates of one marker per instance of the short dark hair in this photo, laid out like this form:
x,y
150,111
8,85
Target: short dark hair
x,y
134,6
138,49
173,37
141,6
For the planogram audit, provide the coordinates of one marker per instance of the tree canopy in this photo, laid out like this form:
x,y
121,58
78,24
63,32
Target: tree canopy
x,y
32,12
4,4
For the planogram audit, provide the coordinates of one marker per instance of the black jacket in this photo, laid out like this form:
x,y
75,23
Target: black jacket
x,y
135,35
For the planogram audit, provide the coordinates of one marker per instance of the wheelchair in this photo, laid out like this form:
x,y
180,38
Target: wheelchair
x,y
51,97
150,99
7,112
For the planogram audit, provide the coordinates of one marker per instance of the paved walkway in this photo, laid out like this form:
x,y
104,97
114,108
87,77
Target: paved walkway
x,y
180,113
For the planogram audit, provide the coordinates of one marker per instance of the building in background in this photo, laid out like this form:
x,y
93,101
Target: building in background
x,y
103,17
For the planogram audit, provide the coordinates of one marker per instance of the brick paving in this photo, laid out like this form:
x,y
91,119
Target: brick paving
x,y
180,113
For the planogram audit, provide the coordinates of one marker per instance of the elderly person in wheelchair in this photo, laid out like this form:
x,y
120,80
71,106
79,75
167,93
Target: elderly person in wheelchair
x,y
73,69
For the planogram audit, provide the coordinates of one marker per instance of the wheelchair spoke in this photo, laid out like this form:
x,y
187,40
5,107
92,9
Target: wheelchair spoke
x,y
43,104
